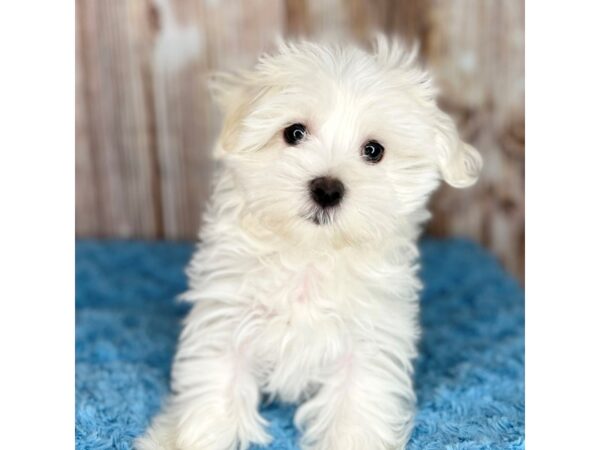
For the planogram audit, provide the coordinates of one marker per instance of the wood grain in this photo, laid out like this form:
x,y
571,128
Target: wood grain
x,y
87,208
117,117
145,124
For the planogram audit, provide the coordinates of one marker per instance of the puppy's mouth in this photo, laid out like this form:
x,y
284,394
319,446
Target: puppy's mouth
x,y
320,216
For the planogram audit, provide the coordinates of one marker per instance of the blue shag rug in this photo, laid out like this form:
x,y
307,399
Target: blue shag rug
x,y
469,378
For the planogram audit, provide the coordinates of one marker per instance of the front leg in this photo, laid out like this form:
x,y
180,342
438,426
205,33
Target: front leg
x,y
366,402
215,398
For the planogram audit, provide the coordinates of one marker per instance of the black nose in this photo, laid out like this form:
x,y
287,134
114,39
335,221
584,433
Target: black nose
x,y
326,191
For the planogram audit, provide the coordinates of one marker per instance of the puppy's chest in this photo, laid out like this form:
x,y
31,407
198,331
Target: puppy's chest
x,y
296,299
299,320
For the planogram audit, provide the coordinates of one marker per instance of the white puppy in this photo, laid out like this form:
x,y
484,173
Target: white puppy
x,y
304,286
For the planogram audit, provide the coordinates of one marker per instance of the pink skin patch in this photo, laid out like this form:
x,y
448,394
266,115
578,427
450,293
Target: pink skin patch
x,y
304,287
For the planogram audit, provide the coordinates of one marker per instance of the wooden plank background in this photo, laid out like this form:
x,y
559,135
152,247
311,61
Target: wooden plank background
x,y
145,125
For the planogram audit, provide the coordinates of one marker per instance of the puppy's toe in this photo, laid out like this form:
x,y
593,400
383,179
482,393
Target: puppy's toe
x,y
160,436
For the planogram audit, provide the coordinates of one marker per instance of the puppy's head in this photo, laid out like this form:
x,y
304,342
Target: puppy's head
x,y
337,142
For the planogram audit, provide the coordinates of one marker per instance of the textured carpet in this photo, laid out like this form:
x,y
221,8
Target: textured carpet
x,y
469,376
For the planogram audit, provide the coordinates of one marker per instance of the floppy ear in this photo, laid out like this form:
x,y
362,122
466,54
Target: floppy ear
x,y
230,94
245,123
458,162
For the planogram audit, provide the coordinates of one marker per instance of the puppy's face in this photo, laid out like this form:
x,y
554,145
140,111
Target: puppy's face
x,y
338,143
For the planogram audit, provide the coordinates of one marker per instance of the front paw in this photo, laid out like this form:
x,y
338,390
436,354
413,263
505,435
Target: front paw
x,y
203,430
352,440
360,427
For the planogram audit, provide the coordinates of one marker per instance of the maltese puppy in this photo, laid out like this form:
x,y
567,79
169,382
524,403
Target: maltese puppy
x,y
304,286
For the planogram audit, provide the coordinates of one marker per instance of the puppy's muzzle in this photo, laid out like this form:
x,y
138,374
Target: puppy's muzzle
x,y
326,192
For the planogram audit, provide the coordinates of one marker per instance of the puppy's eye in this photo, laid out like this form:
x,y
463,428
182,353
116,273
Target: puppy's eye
x,y
294,133
373,152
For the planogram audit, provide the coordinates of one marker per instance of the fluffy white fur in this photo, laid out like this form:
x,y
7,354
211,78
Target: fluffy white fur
x,y
324,315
